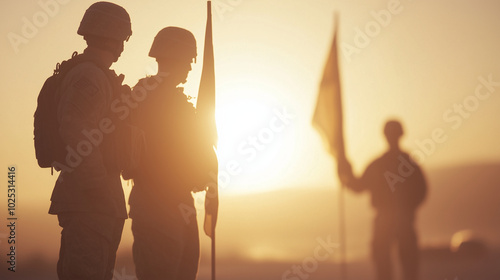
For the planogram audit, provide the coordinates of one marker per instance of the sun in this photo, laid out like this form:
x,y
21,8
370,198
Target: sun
x,y
252,146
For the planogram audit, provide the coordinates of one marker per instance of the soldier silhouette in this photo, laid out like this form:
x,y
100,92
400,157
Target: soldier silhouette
x,y
166,239
89,200
397,187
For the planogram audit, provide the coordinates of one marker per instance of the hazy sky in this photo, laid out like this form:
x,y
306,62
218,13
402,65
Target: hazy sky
x,y
419,61
435,65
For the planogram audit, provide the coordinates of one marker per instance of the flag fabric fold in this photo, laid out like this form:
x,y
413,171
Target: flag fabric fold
x,y
327,118
205,107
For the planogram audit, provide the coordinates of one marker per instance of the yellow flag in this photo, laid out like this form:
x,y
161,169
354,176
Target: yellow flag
x,y
205,108
327,117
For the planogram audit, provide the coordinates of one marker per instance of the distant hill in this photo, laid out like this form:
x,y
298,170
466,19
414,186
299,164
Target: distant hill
x,y
264,234
463,197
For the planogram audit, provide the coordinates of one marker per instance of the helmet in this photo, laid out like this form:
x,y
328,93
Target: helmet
x,y
173,41
108,20
393,129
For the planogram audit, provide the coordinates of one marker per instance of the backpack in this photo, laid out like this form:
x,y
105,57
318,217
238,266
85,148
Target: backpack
x,y
49,146
122,151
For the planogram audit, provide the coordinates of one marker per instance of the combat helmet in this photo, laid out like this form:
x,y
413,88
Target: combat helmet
x,y
107,20
393,129
173,41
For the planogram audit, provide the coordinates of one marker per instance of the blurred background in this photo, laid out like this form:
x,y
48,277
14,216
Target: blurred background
x,y
435,65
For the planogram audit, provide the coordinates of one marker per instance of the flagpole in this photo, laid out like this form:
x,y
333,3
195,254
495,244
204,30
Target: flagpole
x,y
213,253
341,158
205,106
327,119
342,233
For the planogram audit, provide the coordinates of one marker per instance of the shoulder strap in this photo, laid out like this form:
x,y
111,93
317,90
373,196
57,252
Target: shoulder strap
x,y
64,67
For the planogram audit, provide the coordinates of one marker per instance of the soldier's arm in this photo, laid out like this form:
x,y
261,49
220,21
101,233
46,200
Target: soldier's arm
x,y
82,108
420,187
347,177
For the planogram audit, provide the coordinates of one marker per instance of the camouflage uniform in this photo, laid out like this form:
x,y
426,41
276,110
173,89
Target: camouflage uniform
x,y
395,211
88,198
89,201
166,241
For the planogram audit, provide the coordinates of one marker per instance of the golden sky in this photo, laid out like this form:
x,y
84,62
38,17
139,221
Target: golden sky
x,y
435,65
408,59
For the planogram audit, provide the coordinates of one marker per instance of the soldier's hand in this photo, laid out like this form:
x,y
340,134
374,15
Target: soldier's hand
x,y
344,171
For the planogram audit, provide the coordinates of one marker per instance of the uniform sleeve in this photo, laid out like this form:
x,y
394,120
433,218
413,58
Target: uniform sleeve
x,y
366,180
85,93
360,184
419,187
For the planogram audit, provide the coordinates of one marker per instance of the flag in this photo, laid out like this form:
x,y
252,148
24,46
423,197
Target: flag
x,y
327,117
205,108
327,120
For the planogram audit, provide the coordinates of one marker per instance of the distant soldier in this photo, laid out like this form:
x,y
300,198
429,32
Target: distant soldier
x,y
166,240
88,198
397,187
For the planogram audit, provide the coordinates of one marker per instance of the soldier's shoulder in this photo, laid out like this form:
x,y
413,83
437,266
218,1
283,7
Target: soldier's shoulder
x,y
407,157
86,75
87,69
87,79
380,160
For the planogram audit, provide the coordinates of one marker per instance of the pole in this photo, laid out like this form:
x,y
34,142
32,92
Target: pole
x,y
342,234
206,111
213,254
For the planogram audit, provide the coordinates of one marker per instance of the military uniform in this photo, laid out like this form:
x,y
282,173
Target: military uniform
x,y
178,160
396,192
176,163
166,241
88,197
89,200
